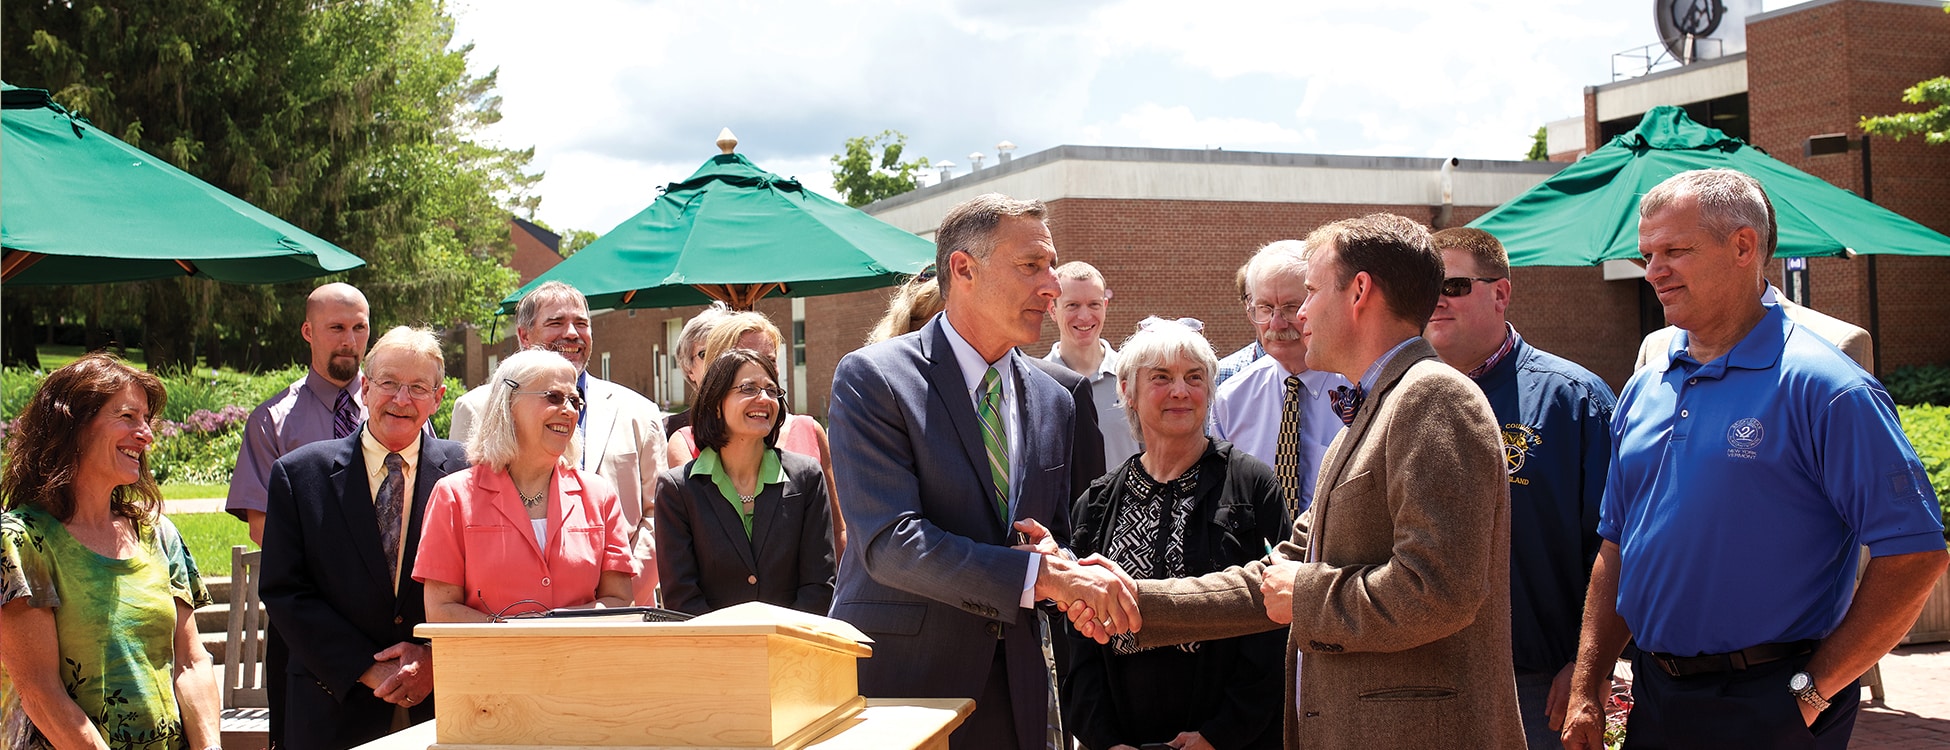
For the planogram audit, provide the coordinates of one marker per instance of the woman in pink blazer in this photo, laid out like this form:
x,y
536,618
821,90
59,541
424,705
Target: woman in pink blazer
x,y
524,530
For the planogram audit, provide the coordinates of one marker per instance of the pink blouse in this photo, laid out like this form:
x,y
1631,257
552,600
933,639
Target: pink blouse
x,y
795,436
478,536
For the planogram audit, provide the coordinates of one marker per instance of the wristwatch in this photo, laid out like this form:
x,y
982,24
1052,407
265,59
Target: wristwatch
x,y
1802,685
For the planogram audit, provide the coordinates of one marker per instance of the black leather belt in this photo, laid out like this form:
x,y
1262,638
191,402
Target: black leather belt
x,y
1688,666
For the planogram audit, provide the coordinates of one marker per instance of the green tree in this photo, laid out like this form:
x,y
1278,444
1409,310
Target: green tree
x,y
577,239
863,178
353,120
1540,148
1933,123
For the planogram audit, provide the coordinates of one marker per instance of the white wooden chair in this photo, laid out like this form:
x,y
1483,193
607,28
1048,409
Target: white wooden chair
x,y
246,712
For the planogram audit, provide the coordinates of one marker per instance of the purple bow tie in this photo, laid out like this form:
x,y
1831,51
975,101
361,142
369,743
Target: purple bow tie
x,y
1347,402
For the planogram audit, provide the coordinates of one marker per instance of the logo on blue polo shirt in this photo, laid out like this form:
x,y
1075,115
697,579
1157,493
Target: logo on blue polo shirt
x,y
1744,436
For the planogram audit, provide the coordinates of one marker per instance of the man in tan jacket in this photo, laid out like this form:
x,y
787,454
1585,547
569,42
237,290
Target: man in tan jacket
x,y
1396,584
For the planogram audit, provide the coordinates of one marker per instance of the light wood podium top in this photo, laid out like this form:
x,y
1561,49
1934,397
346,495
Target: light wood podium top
x,y
885,724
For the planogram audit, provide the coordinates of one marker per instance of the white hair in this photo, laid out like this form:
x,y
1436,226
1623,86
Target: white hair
x,y
493,442
1159,346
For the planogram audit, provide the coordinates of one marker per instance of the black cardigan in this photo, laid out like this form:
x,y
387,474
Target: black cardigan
x,y
1230,690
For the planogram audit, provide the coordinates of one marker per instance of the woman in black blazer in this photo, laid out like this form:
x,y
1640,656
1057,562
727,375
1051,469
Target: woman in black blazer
x,y
743,521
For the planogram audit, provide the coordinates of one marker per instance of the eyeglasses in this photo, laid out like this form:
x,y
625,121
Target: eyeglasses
x,y
414,391
1461,286
749,390
1263,314
555,398
1194,324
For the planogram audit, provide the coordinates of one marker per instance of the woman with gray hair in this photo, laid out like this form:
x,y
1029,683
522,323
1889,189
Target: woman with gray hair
x,y
1187,505
524,530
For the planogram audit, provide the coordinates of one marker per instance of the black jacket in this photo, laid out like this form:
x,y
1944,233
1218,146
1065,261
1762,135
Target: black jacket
x,y
1230,690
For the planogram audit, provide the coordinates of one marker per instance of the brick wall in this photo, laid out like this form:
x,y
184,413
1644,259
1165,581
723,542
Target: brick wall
x,y
1818,71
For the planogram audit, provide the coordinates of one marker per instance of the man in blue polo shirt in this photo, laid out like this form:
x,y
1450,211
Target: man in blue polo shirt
x,y
1747,469
1555,418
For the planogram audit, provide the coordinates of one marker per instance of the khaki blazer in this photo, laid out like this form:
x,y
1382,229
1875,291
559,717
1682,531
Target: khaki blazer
x,y
1401,628
1846,336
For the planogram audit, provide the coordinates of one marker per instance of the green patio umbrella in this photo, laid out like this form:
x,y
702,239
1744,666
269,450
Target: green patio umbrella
x,y
78,206
1588,213
736,233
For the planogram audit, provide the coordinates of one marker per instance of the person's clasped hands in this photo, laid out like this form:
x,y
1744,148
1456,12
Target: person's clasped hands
x,y
1099,597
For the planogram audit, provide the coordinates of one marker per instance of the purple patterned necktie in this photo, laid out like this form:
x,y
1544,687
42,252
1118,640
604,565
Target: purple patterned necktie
x,y
392,490
1347,401
345,415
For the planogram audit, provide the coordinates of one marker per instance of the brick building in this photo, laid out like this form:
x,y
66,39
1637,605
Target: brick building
x,y
1169,227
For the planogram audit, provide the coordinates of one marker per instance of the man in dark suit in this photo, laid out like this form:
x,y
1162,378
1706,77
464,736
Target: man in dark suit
x,y
341,529
944,439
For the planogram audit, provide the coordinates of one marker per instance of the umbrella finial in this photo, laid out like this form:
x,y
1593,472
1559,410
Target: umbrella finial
x,y
727,141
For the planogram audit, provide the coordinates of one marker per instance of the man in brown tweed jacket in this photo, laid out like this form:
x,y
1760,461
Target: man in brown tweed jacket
x,y
1396,585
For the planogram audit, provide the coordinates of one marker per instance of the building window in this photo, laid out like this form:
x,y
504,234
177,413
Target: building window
x,y
606,365
798,387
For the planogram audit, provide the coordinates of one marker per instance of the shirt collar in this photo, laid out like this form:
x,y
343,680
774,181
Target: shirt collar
x,y
1496,357
1315,381
1105,366
328,394
1374,369
971,362
709,464
1758,350
375,453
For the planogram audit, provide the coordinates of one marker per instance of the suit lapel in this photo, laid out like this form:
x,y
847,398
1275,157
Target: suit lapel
x,y
568,508
597,424
356,507
945,375
434,466
765,514
498,489
1031,445
726,519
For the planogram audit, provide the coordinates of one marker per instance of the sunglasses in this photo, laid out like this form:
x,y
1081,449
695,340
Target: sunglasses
x,y
555,398
1461,286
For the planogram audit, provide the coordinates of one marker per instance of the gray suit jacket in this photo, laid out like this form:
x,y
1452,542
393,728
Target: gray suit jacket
x,y
1401,628
928,571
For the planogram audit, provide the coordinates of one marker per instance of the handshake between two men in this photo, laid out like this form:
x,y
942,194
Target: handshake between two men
x,y
1101,599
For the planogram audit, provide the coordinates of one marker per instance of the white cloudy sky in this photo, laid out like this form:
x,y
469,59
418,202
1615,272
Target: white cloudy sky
x,y
620,97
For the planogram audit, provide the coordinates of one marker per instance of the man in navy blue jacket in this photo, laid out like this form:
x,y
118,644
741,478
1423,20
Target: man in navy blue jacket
x,y
1555,419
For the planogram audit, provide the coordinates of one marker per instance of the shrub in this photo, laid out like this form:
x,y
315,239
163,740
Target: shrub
x,y
1926,384
1928,427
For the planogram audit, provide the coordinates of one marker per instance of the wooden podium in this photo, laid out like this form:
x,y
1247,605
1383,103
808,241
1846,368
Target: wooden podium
x,y
751,676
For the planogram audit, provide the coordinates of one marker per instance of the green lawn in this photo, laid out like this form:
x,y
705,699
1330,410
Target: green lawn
x,y
195,492
209,537
54,357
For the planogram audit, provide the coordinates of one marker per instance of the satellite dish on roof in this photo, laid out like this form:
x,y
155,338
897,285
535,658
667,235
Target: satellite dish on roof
x,y
1695,30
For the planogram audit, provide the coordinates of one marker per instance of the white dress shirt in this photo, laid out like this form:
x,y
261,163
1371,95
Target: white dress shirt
x,y
1248,408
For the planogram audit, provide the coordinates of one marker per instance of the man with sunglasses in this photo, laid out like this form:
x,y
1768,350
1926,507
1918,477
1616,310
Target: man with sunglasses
x,y
622,432
1276,409
341,536
1749,466
1555,418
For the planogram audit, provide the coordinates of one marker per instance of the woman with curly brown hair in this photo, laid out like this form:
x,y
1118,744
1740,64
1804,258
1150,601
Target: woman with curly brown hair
x,y
97,593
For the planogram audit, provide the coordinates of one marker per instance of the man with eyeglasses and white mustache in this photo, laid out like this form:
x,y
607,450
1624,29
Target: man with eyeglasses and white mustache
x,y
622,432
1277,410
1554,416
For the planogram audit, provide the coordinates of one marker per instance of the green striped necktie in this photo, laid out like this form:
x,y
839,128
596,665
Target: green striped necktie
x,y
995,439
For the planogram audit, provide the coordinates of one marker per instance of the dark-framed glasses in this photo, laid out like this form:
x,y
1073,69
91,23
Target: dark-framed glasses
x,y
414,391
1461,286
555,397
749,390
1263,313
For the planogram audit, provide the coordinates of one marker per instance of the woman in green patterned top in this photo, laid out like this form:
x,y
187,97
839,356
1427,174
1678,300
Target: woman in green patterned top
x,y
97,635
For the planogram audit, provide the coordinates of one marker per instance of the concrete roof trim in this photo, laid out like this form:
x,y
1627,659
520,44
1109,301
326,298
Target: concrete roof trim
x,y
1693,69
1216,157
